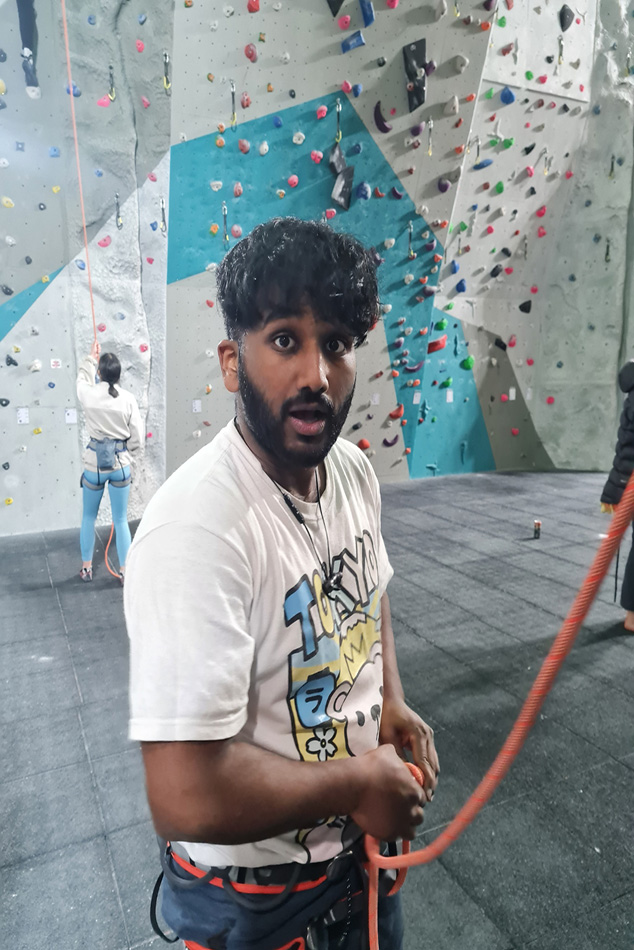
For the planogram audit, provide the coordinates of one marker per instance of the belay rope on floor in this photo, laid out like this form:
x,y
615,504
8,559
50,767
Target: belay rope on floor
x,y
550,667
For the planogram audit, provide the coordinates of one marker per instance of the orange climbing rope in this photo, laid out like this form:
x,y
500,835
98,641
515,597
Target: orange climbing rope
x,y
81,190
562,645
83,215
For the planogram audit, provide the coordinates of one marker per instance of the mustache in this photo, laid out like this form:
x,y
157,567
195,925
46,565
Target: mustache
x,y
318,400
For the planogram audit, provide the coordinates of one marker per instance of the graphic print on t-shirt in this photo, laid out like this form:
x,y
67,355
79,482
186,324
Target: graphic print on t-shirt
x,y
336,676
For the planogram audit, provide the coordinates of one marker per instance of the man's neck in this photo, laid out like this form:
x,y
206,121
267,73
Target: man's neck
x,y
300,482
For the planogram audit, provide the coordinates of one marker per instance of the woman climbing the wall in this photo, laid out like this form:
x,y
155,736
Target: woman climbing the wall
x,y
115,428
622,468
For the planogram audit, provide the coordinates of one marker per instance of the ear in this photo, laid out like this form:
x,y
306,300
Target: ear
x,y
228,356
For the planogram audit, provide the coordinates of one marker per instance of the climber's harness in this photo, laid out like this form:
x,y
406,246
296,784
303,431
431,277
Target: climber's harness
x,y
107,452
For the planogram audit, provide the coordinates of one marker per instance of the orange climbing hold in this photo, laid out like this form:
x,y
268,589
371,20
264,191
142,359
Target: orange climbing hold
x,y
363,444
398,412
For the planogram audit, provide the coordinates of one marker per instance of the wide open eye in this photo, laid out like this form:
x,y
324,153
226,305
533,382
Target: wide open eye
x,y
283,341
336,346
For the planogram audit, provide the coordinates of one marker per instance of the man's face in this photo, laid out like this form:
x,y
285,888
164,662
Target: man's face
x,y
296,378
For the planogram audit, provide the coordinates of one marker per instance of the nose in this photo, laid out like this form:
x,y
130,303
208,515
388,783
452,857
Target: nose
x,y
312,371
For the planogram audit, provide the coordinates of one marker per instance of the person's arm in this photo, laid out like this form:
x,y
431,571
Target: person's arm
x,y
86,370
400,725
137,430
230,792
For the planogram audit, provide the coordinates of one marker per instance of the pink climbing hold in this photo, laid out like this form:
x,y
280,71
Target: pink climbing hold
x,y
508,270
251,53
236,231
515,431
245,100
530,361
293,181
541,211
150,260
244,145
140,46
101,327
534,289
237,189
550,400
316,156
151,176
392,4
209,303
530,171
330,213
322,112
104,102
343,22
144,348
105,241
504,398
346,86
542,79
569,174
541,231
512,341
490,229
145,101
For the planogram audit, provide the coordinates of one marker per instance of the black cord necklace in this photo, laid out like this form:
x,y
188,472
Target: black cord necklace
x,y
331,581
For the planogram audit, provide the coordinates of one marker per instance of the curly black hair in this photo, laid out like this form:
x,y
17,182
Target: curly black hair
x,y
286,263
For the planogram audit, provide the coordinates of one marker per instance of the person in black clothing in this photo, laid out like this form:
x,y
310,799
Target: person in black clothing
x,y
622,468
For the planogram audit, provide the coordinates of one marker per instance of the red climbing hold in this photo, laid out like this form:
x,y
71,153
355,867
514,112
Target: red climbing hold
x,y
438,344
253,6
530,361
398,412
550,400
515,431
209,303
330,213
363,444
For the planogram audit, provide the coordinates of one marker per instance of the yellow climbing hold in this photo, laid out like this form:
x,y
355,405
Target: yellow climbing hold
x,y
17,349
8,501
7,202
56,189
3,87
37,431
45,279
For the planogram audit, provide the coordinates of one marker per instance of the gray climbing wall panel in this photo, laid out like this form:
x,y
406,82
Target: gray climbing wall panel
x,y
123,151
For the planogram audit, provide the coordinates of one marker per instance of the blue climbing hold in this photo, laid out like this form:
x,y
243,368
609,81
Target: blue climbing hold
x,y
455,267
367,9
154,225
364,191
81,265
92,19
277,122
357,89
76,90
51,385
473,208
356,149
588,202
461,286
120,316
596,238
507,96
596,109
98,173
483,164
53,151
572,278
142,17
352,42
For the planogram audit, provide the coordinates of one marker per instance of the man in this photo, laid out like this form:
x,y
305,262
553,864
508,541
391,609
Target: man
x,y
264,684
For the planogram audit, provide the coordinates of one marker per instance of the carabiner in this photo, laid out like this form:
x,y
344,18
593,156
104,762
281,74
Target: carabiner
x,y
167,85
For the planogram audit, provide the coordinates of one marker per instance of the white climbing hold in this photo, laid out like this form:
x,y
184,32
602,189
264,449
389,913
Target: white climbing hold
x,y
264,147
228,10
298,138
388,243
215,185
452,107
441,9
285,57
10,240
386,308
35,366
461,62
408,278
213,26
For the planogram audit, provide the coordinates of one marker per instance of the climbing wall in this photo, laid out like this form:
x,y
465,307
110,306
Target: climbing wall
x,y
122,109
468,172
289,73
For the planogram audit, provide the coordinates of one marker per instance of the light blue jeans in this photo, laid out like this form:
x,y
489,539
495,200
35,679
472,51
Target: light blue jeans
x,y
119,504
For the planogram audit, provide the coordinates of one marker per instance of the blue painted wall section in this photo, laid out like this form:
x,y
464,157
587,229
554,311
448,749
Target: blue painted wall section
x,y
14,309
456,440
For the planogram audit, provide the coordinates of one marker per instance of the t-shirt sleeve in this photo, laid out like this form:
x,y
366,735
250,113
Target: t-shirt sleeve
x,y
188,599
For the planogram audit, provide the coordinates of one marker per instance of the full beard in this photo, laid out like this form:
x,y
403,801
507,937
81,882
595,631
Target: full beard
x,y
268,429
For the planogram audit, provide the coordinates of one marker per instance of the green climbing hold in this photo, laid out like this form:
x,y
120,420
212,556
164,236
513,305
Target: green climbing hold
x,y
501,21
508,142
468,362
488,94
446,383
433,418
499,187
529,75
494,142
463,226
449,306
441,324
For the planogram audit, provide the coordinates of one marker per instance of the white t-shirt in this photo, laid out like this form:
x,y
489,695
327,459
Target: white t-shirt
x,y
231,634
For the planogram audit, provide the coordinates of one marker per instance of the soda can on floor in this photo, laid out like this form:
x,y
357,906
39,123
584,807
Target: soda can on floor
x,y
537,528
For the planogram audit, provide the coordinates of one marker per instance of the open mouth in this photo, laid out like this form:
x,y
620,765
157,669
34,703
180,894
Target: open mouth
x,y
308,421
